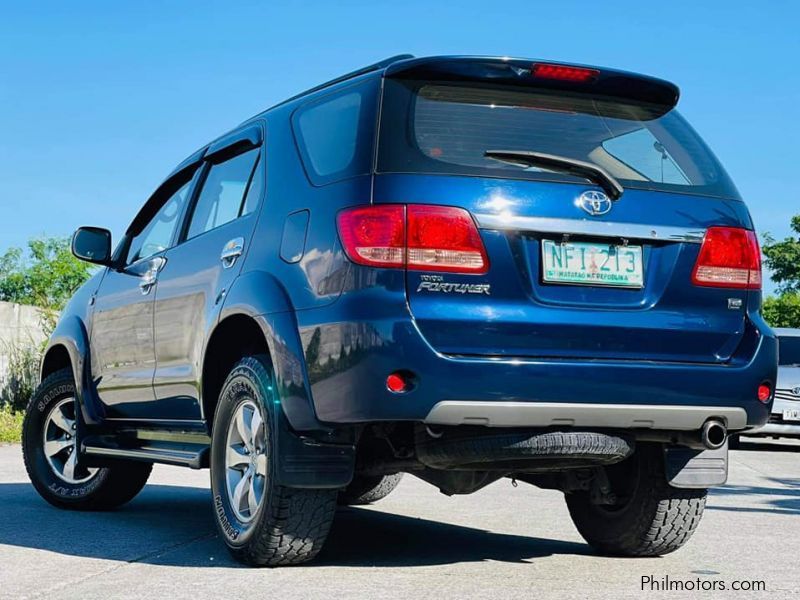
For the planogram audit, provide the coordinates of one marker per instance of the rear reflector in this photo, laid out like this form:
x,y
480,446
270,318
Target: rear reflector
x,y
764,392
564,72
396,383
729,258
418,236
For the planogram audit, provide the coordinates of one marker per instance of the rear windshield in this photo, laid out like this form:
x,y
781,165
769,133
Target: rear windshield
x,y
789,351
445,128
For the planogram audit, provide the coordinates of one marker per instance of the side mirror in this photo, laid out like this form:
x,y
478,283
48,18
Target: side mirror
x,y
93,245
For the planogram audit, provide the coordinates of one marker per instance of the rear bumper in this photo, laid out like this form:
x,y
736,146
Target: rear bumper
x,y
350,385
544,414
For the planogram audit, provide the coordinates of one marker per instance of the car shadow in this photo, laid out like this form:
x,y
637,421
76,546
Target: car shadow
x,y
783,498
173,525
361,537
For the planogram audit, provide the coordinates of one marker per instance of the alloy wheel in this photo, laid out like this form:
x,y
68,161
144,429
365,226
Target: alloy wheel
x,y
61,443
246,461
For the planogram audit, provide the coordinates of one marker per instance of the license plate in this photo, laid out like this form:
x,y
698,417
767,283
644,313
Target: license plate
x,y
792,414
592,264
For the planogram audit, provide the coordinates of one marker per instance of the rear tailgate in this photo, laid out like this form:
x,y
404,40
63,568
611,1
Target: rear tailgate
x,y
511,311
568,276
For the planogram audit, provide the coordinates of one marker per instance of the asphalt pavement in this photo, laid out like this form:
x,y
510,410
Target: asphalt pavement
x,y
502,542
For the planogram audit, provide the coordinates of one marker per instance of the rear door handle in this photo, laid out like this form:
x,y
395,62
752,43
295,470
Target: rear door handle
x,y
231,252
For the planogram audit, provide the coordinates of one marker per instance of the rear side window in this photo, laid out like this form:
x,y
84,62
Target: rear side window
x,y
335,133
222,198
253,194
445,128
789,351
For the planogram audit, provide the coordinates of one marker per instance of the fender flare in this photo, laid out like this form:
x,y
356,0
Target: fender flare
x,y
260,296
71,334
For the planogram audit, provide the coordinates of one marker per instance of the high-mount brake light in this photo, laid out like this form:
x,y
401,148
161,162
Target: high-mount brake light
x,y
564,72
419,237
729,258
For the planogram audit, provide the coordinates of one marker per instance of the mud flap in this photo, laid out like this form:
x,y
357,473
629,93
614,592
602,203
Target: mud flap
x,y
689,468
308,463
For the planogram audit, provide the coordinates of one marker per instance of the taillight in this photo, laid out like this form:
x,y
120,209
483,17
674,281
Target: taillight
x,y
444,238
729,258
418,236
374,235
564,72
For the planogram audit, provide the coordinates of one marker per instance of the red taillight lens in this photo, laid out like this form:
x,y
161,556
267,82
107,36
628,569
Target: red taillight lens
x,y
374,235
564,72
420,237
444,238
729,258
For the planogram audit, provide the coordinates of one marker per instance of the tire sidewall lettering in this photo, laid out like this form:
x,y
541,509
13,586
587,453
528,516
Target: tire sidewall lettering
x,y
243,382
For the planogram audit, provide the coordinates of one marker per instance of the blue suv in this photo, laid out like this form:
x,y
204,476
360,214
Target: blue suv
x,y
461,268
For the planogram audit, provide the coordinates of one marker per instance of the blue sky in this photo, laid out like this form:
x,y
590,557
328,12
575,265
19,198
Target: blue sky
x,y
99,100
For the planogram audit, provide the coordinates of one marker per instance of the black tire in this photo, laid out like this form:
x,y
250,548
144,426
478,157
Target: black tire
x,y
108,488
368,489
290,525
651,519
479,448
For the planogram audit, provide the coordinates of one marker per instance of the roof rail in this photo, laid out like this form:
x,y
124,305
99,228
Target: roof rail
x,y
381,64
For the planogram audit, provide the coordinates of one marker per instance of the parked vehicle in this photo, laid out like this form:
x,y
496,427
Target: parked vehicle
x,y
784,421
461,268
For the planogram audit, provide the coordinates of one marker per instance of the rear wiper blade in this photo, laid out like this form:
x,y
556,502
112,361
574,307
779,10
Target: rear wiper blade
x,y
562,164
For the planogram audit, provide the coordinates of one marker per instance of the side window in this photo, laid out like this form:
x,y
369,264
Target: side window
x,y
335,134
222,197
157,234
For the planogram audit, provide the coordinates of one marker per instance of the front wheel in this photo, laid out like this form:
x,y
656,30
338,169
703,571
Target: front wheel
x,y
51,452
261,522
651,517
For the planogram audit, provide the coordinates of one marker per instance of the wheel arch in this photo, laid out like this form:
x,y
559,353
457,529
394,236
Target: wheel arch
x,y
55,359
236,336
68,347
258,305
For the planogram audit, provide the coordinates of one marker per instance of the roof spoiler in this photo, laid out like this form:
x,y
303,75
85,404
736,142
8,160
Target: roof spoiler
x,y
578,79
381,64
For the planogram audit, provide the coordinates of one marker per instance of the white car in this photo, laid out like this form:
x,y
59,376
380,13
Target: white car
x,y
785,418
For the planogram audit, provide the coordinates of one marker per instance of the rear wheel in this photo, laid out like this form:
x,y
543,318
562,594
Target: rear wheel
x,y
368,489
651,518
261,522
51,453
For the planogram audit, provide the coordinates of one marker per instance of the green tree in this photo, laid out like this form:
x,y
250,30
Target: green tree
x,y
783,310
783,259
44,276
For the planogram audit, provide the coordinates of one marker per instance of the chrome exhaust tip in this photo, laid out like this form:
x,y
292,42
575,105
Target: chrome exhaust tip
x,y
713,434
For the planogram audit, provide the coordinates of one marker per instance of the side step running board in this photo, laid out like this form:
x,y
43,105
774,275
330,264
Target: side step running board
x,y
102,450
